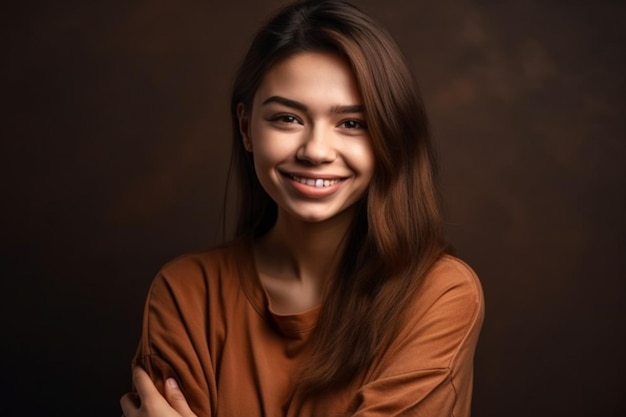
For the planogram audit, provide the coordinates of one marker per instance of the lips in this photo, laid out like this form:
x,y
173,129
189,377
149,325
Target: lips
x,y
314,185
315,182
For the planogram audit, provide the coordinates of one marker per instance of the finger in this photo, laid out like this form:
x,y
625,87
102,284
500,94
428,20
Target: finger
x,y
176,398
143,384
129,404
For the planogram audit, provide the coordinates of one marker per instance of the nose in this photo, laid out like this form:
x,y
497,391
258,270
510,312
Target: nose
x,y
317,147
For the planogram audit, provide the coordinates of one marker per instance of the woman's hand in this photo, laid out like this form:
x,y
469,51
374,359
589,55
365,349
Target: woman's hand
x,y
151,403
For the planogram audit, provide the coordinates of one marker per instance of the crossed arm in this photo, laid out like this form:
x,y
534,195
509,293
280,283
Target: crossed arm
x,y
148,402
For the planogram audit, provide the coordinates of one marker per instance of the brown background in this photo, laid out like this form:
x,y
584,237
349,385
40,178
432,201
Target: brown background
x,y
114,147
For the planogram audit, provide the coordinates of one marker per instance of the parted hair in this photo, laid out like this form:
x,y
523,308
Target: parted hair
x,y
397,233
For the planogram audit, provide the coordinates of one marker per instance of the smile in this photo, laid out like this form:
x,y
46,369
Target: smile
x,y
315,182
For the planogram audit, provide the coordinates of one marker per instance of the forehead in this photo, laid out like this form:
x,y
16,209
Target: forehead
x,y
311,76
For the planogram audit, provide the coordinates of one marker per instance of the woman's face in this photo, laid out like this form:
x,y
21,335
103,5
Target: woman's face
x,y
308,135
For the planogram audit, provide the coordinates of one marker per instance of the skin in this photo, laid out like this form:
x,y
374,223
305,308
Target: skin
x,y
172,404
307,119
306,123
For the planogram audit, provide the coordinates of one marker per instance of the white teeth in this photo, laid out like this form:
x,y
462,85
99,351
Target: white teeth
x,y
317,183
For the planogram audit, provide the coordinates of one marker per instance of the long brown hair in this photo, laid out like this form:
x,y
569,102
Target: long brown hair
x,y
396,234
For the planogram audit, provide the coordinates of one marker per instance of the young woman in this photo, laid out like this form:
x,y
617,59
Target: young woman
x,y
336,297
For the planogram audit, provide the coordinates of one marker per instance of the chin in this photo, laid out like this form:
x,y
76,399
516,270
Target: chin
x,y
317,216
313,218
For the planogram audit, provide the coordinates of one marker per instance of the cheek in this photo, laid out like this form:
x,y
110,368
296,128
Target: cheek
x,y
362,155
267,152
267,146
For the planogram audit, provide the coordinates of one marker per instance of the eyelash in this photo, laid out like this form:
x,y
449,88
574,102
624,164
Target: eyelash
x,y
291,119
359,124
285,118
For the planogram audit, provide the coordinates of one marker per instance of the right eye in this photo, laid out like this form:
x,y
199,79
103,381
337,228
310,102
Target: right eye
x,y
285,119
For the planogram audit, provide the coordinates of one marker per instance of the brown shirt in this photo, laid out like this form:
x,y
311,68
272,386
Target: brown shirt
x,y
207,323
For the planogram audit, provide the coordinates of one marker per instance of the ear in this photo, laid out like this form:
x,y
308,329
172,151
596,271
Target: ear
x,y
244,126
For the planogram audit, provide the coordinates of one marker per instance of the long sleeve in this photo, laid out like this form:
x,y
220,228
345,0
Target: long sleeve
x,y
208,324
174,341
428,370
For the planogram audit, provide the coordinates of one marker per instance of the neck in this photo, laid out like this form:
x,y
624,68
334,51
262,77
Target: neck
x,y
304,251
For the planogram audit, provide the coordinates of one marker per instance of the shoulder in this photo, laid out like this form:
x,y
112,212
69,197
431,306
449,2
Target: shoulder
x,y
191,263
451,274
450,301
441,325
193,273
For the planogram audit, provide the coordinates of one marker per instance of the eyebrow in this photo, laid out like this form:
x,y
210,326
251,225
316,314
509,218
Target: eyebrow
x,y
355,108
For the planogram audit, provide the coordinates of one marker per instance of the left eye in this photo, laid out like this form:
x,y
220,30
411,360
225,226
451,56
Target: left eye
x,y
353,124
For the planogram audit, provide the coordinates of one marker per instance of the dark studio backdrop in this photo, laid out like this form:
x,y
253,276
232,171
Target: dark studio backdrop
x,y
115,141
